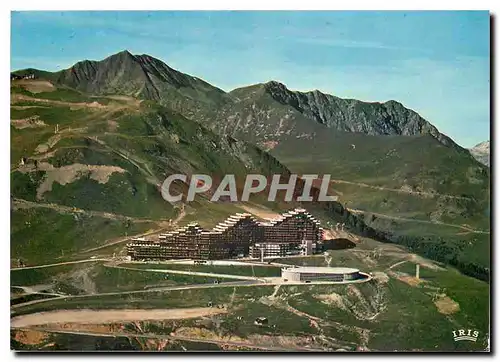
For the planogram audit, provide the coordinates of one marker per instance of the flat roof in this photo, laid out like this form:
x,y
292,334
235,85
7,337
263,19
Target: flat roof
x,y
322,269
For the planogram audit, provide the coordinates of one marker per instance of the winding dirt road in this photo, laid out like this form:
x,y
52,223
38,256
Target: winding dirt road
x,y
403,191
25,204
384,216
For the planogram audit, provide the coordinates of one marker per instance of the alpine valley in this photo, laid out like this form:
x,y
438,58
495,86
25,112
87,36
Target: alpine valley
x,y
92,144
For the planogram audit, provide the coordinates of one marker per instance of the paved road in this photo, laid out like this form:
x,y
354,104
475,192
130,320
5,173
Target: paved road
x,y
242,283
403,191
186,272
148,290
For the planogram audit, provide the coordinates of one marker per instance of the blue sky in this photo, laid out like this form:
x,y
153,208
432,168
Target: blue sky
x,y
436,63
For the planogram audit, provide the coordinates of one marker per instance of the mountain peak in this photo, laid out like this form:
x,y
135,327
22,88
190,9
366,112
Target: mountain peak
x,y
348,115
278,91
393,102
481,152
125,53
141,76
274,84
484,146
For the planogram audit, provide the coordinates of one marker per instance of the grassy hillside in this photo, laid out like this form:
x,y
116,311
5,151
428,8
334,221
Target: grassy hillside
x,y
41,236
398,185
405,186
98,176
419,163
384,182
98,277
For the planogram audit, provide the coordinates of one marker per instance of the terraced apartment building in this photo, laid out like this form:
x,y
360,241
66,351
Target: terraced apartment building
x,y
293,232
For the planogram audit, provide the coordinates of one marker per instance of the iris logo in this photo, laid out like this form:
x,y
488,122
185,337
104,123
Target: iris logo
x,y
465,335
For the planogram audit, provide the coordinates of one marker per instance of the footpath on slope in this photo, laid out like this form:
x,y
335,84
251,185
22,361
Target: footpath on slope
x,y
401,190
463,227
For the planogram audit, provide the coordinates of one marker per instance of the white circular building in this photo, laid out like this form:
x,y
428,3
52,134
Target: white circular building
x,y
309,274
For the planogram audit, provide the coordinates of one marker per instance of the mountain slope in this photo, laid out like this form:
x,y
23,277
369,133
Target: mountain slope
x,y
107,159
140,76
402,155
351,115
91,146
404,187
481,152
81,161
392,169
146,77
